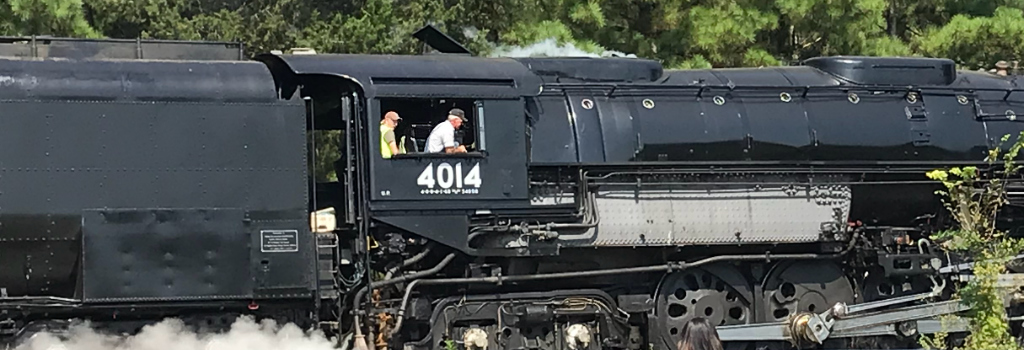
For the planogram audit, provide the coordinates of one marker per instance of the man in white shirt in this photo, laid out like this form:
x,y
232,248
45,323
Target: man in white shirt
x,y
442,138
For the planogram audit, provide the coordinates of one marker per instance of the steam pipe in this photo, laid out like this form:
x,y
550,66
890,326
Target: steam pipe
x,y
588,210
408,262
359,295
364,344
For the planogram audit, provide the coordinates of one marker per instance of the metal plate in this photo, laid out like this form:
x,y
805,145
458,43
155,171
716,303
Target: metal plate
x,y
726,216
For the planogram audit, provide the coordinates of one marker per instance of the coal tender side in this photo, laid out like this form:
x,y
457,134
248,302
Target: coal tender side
x,y
134,190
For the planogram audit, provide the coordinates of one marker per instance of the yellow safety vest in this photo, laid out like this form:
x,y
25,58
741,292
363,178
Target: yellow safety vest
x,y
385,150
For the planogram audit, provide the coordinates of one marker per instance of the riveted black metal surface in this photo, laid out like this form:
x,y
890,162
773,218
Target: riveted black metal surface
x,y
283,257
999,109
789,114
165,254
587,127
130,136
552,133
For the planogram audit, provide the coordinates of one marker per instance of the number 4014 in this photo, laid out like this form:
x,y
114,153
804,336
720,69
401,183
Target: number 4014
x,y
446,176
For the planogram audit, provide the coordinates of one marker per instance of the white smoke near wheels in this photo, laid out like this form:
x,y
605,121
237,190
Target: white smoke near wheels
x,y
171,334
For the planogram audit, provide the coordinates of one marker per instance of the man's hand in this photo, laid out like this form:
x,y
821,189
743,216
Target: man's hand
x,y
460,149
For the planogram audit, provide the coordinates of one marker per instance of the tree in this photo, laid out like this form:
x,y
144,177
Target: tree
x,y
45,17
974,198
976,41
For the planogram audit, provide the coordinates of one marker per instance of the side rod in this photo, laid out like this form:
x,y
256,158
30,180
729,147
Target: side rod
x,y
818,327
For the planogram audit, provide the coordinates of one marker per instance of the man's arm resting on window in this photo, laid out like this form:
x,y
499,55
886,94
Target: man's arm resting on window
x,y
460,149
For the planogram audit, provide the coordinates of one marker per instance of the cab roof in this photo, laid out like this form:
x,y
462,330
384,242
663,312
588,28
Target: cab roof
x,y
410,75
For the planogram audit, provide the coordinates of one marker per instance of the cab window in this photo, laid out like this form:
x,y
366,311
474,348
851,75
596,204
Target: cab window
x,y
417,118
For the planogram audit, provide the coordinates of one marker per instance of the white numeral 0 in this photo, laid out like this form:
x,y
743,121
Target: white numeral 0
x,y
446,175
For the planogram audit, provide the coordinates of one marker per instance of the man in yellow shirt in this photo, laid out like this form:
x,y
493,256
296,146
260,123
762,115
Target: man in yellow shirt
x,y
388,144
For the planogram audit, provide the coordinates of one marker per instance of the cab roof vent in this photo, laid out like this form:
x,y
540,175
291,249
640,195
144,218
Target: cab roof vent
x,y
887,70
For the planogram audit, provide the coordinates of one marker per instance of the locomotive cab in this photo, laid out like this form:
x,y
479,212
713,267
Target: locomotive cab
x,y
429,194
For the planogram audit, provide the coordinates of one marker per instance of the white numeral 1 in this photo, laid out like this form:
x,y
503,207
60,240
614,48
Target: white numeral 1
x,y
458,179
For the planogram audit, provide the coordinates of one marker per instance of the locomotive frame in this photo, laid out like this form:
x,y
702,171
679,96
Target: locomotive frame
x,y
603,201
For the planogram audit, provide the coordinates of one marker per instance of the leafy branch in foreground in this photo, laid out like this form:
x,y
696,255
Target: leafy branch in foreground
x,y
974,199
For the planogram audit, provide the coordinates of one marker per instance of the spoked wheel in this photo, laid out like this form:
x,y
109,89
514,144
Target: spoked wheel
x,y
805,286
718,293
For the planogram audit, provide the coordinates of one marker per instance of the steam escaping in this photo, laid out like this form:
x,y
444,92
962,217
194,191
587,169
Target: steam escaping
x,y
470,32
171,334
550,47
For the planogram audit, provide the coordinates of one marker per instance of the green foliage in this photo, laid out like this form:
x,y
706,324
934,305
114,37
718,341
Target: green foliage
x,y
976,41
680,34
974,199
45,17
368,31
839,27
938,340
726,33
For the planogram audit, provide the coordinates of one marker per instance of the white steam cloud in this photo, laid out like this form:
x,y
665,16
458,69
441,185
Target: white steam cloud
x,y
551,48
171,334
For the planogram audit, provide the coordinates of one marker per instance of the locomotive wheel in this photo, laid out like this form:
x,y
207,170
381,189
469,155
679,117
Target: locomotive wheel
x,y
716,292
805,286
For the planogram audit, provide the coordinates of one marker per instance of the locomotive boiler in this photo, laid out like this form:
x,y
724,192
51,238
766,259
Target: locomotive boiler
x,y
601,203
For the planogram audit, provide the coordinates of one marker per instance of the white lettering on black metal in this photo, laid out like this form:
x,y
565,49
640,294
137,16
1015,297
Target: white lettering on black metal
x,y
446,178
279,241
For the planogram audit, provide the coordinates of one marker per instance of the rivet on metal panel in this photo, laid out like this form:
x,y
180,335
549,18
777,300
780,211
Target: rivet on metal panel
x,y
785,97
648,103
1011,115
853,98
719,100
962,99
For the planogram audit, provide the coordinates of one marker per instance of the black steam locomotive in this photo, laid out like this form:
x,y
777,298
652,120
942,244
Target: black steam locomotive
x,y
601,203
